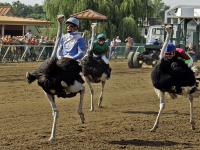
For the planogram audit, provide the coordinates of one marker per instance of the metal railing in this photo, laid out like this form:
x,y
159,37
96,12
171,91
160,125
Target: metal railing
x,y
22,53
18,53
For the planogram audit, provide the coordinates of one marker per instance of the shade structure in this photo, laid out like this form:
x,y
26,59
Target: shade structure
x,y
89,15
11,20
5,10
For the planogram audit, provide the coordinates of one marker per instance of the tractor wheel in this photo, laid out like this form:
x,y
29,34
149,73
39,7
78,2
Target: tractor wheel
x,y
130,59
136,63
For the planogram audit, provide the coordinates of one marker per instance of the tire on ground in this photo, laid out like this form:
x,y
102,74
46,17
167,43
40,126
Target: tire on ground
x,y
136,63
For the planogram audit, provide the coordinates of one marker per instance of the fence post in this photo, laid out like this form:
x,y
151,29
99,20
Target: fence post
x,y
6,53
41,52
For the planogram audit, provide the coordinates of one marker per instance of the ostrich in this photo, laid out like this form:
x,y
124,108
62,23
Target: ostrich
x,y
60,81
189,92
94,71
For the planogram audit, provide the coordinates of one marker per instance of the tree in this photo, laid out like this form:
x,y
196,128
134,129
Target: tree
x,y
124,16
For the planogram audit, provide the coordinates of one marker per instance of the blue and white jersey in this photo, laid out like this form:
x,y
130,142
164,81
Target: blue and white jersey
x,y
71,45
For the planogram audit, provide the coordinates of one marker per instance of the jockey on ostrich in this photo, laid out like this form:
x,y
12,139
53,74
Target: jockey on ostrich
x,y
60,75
173,75
95,64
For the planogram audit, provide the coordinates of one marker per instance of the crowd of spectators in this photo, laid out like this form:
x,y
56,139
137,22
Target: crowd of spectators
x,y
28,42
18,40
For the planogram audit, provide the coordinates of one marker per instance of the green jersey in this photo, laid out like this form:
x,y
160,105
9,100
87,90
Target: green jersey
x,y
100,49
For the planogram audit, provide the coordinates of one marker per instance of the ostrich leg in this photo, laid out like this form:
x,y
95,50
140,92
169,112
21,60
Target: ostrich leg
x,y
160,94
55,114
101,95
51,98
91,93
80,107
192,122
162,106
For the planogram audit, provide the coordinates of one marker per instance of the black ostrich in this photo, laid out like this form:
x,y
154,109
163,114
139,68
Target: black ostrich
x,y
62,79
160,73
95,71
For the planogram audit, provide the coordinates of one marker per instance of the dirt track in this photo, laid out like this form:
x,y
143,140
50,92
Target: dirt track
x,y
130,109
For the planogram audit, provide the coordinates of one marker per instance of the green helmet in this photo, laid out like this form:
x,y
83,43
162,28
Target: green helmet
x,y
101,36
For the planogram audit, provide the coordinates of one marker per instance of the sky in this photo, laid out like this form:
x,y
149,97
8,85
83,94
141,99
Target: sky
x,y
171,3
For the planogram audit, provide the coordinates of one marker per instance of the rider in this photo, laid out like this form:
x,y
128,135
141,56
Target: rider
x,y
96,62
100,48
173,72
100,51
71,47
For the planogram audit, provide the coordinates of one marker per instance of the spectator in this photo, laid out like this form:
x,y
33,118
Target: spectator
x,y
29,34
112,48
129,46
118,43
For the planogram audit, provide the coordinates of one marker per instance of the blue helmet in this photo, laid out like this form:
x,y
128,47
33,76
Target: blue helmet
x,y
170,48
73,20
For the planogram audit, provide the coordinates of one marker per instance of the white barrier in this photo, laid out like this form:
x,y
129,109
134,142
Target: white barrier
x,y
26,49
7,54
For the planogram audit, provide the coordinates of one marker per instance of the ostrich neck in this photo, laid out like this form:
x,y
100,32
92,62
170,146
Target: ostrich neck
x,y
59,33
92,40
165,45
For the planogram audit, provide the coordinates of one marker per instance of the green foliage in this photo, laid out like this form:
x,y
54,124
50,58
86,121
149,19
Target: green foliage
x,y
5,4
23,10
125,17
128,27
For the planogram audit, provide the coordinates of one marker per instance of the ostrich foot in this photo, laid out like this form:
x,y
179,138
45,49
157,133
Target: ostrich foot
x,y
51,139
91,109
154,128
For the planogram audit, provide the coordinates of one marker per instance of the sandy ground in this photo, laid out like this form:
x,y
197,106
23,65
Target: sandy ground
x,y
129,110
